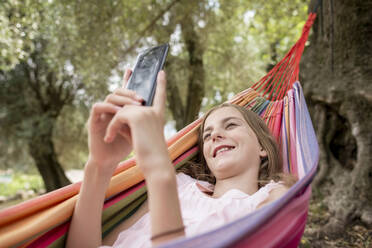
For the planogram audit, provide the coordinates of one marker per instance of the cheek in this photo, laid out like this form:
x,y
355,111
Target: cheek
x,y
205,151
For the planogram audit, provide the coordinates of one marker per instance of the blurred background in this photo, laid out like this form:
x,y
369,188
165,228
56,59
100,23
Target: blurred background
x,y
59,57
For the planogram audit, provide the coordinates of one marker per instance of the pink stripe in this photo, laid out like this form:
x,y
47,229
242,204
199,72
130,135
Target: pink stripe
x,y
124,194
51,236
185,155
297,234
278,119
292,134
283,139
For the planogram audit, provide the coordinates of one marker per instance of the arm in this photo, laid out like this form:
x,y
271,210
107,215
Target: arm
x,y
165,211
116,126
85,228
274,194
146,128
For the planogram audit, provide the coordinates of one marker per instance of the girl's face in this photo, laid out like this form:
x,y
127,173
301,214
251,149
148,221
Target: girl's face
x,y
230,146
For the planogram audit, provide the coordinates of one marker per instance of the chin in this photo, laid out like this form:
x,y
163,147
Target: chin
x,y
223,168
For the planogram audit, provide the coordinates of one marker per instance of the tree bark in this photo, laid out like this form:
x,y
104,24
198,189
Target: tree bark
x,y
196,88
42,150
36,93
337,81
48,100
186,112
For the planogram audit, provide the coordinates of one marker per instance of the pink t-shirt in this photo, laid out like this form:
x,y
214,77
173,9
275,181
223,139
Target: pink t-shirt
x,y
200,212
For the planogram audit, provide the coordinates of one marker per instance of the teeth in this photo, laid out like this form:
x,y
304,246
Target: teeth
x,y
223,149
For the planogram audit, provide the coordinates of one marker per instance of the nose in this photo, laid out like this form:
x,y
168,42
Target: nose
x,y
217,134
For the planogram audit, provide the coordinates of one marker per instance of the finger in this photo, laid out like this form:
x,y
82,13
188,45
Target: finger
x,y
101,108
128,93
122,100
127,74
114,126
160,94
105,117
125,132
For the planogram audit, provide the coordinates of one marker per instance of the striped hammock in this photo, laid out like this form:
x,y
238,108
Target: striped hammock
x,y
277,98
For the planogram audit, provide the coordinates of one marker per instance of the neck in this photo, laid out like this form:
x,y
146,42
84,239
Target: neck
x,y
247,183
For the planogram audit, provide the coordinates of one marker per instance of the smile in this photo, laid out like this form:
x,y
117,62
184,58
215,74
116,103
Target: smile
x,y
221,149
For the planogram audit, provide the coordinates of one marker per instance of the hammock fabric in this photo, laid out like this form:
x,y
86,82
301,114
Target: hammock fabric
x,y
277,98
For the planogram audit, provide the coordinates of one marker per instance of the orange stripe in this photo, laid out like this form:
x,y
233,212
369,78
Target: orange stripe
x,y
31,206
29,226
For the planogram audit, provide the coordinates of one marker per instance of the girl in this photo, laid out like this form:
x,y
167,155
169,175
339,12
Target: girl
x,y
239,159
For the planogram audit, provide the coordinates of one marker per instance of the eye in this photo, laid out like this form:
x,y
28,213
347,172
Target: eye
x,y
230,125
206,136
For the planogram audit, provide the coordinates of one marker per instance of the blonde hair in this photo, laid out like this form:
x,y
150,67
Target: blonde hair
x,y
271,167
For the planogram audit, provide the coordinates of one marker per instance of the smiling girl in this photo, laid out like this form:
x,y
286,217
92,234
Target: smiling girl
x,y
239,170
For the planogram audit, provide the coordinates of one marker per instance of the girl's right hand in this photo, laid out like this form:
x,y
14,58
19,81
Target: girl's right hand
x,y
108,155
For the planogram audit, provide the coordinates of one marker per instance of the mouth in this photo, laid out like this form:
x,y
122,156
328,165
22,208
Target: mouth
x,y
221,149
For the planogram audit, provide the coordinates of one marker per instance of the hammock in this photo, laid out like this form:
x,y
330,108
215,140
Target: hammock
x,y
277,98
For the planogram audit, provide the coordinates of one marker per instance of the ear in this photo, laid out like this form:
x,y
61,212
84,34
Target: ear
x,y
262,153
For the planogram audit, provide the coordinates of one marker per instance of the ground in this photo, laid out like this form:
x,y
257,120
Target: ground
x,y
356,235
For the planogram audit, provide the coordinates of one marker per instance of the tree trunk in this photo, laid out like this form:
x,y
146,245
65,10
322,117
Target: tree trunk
x,y
47,92
196,89
185,113
42,150
337,82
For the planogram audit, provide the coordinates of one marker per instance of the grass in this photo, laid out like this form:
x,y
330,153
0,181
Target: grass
x,y
12,184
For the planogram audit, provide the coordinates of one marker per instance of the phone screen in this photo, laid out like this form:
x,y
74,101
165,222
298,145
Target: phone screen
x,y
143,78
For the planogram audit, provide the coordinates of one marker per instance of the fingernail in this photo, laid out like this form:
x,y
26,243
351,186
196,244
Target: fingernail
x,y
138,97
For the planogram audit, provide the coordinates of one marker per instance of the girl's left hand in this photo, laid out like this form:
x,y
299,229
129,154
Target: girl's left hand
x,y
144,126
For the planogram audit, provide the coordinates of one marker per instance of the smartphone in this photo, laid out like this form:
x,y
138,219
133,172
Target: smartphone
x,y
145,72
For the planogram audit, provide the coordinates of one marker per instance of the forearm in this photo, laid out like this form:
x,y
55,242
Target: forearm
x,y
85,228
164,204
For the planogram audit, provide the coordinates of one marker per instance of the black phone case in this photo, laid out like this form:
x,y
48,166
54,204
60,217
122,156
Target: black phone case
x,y
143,78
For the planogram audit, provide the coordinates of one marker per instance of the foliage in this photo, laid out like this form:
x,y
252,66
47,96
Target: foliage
x,y
251,37
19,27
87,44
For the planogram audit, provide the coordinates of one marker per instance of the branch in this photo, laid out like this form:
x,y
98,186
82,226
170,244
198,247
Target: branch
x,y
60,87
34,83
149,26
50,78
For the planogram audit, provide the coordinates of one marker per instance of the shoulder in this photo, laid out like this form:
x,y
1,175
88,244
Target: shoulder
x,y
276,190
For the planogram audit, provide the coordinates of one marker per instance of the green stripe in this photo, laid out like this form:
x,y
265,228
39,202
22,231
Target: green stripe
x,y
59,243
117,207
123,215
